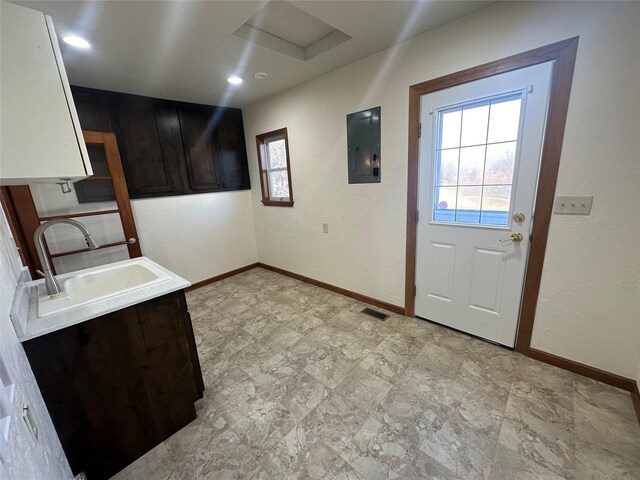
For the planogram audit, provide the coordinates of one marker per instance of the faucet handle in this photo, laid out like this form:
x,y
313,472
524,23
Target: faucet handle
x,y
40,272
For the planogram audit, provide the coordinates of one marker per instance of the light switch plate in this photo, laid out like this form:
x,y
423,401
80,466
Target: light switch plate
x,y
573,205
325,228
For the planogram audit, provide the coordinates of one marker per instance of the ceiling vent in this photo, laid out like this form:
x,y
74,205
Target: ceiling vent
x,y
286,29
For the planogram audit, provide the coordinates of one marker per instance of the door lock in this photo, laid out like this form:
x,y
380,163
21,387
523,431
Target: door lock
x,y
518,217
516,237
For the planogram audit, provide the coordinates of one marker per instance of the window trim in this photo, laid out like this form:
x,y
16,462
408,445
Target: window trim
x,y
261,141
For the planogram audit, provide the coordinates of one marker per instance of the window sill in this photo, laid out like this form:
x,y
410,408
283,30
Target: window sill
x,y
277,203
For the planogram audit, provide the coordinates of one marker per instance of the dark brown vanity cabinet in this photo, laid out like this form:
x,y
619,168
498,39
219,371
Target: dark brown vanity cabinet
x,y
167,147
118,385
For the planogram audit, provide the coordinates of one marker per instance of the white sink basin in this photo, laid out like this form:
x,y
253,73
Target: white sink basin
x,y
93,284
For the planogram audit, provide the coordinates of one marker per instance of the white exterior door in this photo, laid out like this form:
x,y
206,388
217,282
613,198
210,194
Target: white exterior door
x,y
479,160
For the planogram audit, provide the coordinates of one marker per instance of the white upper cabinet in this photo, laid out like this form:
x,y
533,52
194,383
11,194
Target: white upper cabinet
x,y
40,135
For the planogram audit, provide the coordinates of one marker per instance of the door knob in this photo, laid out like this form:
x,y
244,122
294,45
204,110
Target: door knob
x,y
132,241
515,237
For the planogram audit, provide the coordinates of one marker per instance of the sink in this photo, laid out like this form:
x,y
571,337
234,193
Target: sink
x,y
94,284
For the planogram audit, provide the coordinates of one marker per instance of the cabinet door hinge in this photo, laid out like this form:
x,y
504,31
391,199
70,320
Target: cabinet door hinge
x,y
417,215
419,129
414,290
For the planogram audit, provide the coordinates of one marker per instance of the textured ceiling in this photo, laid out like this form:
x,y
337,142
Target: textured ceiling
x,y
185,50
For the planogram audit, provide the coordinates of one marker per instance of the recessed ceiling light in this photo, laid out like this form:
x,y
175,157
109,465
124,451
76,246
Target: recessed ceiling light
x,y
260,75
234,80
76,41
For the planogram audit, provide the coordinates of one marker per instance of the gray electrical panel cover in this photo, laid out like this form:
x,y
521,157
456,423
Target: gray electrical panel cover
x,y
363,142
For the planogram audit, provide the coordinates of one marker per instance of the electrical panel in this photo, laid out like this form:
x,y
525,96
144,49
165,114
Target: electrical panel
x,y
363,142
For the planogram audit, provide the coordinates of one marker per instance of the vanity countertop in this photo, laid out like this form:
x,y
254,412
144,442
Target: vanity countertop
x,y
24,312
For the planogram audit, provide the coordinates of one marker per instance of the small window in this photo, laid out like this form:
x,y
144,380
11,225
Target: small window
x,y
275,172
475,159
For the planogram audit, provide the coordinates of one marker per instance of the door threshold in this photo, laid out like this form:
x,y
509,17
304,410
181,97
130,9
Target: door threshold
x,y
512,349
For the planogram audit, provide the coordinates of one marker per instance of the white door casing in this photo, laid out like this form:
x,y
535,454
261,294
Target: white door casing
x,y
469,273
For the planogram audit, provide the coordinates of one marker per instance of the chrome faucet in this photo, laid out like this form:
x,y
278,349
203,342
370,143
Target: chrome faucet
x,y
50,281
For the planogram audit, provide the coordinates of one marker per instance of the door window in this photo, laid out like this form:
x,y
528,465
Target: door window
x,y
475,157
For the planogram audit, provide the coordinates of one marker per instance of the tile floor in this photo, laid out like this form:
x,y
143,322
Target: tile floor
x,y
301,385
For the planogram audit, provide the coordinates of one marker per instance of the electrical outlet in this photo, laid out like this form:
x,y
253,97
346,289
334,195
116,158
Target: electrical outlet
x,y
325,228
573,205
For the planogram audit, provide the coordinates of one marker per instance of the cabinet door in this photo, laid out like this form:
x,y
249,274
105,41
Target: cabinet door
x,y
89,377
93,112
93,109
232,164
198,123
118,385
41,137
163,356
150,156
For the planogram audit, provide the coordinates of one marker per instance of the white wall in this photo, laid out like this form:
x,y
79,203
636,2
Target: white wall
x,y
196,236
26,457
588,306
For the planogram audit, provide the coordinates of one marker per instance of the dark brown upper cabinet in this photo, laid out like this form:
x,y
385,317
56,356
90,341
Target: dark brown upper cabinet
x,y
94,189
167,148
150,150
197,123
93,109
232,149
214,147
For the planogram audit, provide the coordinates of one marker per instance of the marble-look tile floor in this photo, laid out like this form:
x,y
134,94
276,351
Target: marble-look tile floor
x,y
301,385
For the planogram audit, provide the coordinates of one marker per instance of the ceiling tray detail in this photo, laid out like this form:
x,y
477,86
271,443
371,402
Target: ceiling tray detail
x,y
286,29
